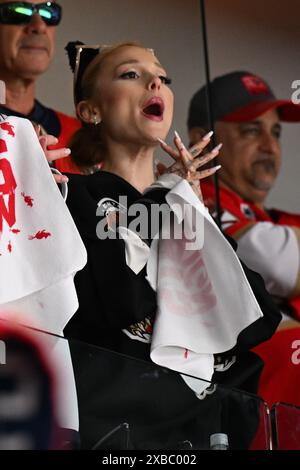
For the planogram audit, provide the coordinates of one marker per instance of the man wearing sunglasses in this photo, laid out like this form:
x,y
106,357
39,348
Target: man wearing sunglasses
x,y
27,38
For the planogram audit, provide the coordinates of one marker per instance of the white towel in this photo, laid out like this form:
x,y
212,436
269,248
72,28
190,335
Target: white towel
x,y
204,298
40,247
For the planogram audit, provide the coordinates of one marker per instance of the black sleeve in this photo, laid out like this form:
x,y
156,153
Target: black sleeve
x,y
110,294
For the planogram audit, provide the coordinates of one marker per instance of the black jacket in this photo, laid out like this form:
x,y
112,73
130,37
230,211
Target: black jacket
x,y
161,410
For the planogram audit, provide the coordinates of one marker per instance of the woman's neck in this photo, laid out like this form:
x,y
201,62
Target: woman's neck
x,y
133,164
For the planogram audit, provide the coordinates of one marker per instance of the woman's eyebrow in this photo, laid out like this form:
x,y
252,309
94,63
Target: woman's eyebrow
x,y
135,61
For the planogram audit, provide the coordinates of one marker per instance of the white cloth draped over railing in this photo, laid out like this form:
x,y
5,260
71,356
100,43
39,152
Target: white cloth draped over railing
x,y
40,247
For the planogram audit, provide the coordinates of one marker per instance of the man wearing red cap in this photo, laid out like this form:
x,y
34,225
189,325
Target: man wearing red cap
x,y
247,119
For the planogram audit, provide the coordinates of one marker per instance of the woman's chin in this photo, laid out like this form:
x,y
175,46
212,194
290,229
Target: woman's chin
x,y
153,139
159,135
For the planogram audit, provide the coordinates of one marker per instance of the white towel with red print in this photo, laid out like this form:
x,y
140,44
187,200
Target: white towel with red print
x,y
40,251
40,247
203,296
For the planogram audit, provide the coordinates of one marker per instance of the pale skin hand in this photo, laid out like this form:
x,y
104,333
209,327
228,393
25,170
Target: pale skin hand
x,y
188,161
52,155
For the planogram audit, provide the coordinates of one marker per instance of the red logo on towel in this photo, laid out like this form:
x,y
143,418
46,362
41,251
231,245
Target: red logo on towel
x,y
186,288
8,128
7,189
27,199
3,147
7,193
40,235
7,208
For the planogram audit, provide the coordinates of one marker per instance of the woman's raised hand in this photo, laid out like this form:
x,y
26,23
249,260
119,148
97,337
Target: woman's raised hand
x,y
51,155
189,161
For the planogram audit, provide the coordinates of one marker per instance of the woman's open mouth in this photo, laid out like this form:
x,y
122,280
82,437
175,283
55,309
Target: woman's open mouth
x,y
154,109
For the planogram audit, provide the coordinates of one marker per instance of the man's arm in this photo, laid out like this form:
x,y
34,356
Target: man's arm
x,y
274,252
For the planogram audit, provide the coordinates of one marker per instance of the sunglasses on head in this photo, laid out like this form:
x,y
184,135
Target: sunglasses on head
x,y
18,13
84,56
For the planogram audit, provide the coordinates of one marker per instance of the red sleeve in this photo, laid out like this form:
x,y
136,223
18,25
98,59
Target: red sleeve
x,y
280,379
231,206
286,218
69,125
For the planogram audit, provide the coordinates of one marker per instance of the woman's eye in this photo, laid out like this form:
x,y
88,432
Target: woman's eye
x,y
129,75
165,80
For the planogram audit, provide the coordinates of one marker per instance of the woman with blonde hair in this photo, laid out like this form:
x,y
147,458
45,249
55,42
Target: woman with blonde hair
x,y
124,100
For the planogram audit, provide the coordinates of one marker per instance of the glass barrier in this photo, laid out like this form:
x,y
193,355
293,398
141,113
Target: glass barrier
x,y
286,426
123,403
126,403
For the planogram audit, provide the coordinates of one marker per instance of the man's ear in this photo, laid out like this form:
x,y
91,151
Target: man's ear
x,y
88,113
196,134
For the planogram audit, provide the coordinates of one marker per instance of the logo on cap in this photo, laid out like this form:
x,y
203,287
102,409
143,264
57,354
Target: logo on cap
x,y
255,85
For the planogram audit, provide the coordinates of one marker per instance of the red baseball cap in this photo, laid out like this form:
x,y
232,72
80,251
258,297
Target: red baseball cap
x,y
239,96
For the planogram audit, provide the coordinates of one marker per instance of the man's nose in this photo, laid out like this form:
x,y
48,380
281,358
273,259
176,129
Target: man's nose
x,y
154,83
37,25
269,143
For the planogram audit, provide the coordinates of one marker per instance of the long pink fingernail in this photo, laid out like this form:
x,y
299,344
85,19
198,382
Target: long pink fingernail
x,y
182,146
161,141
177,135
208,135
216,168
217,147
67,151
